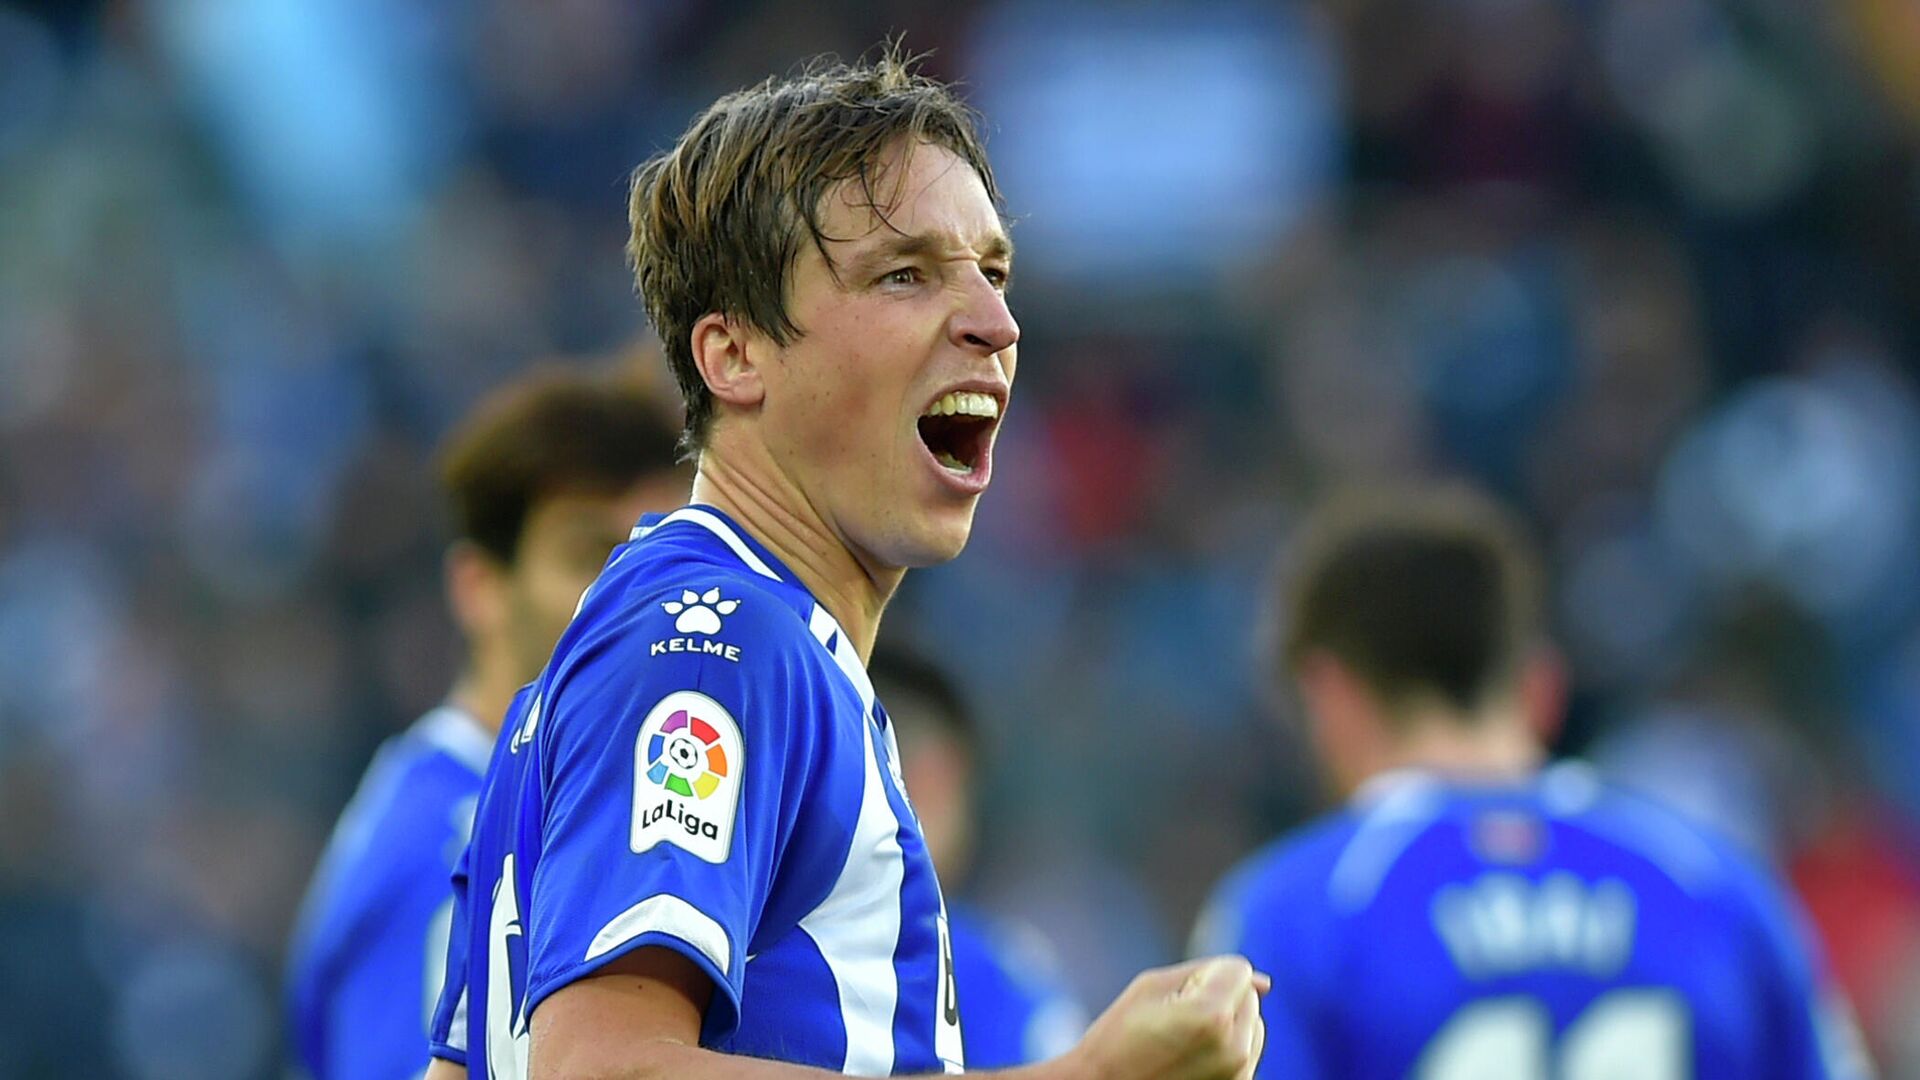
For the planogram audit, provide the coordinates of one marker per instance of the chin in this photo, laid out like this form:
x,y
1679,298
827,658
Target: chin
x,y
935,538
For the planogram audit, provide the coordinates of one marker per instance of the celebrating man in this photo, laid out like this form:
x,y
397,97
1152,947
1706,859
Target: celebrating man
x,y
693,854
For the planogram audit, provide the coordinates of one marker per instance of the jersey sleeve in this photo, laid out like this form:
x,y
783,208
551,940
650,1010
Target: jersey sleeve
x,y
447,1028
1809,1023
677,753
1239,919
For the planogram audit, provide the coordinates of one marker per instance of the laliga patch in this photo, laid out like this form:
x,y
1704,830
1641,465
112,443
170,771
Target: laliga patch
x,y
686,783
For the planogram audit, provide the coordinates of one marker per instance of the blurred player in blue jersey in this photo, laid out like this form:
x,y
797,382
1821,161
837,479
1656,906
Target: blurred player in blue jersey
x,y
693,854
544,480
1473,912
1017,1007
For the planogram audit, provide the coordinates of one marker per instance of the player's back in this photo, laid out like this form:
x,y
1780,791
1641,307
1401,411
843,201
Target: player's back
x,y
1547,928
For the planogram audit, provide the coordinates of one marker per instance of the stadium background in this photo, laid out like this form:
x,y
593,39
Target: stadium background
x,y
1645,267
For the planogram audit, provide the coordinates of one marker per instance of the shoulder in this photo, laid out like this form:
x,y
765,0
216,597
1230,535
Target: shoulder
x,y
1280,884
1711,868
661,607
662,620
1740,890
667,646
1299,861
407,802
398,836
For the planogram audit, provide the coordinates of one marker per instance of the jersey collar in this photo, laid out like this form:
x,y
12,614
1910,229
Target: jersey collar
x,y
1398,783
751,553
458,734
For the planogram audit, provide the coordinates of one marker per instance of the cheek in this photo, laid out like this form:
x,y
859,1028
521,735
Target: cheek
x,y
552,590
846,399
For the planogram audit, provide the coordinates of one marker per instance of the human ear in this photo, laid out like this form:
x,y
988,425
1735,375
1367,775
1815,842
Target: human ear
x,y
476,589
727,357
1543,692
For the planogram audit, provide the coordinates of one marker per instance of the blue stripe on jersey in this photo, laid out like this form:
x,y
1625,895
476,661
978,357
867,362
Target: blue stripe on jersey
x,y
374,927
1436,929
701,767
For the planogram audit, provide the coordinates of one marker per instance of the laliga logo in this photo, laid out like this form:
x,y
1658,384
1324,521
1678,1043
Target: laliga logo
x,y
686,747
686,758
688,762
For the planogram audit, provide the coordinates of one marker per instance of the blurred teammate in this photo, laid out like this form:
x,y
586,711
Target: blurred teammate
x,y
544,480
1017,1009
694,837
1471,913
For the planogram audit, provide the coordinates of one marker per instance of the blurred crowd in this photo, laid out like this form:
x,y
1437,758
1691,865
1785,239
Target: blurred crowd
x,y
1647,268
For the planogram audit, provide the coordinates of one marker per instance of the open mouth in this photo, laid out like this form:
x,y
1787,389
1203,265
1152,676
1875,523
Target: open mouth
x,y
958,428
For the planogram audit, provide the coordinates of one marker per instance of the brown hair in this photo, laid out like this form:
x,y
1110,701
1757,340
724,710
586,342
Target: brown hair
x,y
1431,594
557,432
717,221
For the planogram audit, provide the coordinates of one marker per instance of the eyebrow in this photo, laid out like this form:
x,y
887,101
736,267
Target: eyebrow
x,y
908,245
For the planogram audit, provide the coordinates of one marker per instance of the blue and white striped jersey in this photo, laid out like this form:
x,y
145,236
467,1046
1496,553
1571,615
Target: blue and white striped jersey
x,y
1549,928
702,767
372,934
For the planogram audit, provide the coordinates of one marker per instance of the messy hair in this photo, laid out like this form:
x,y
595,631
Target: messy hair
x,y
717,221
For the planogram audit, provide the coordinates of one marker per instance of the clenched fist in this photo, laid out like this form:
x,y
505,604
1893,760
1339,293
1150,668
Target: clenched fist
x,y
1194,1021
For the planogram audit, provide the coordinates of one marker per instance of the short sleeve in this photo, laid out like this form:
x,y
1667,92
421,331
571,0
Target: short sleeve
x,y
1809,1023
677,750
447,1028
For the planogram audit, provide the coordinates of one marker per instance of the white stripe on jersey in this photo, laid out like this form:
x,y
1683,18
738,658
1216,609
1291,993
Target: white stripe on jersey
x,y
857,927
718,528
1397,819
459,734
1641,827
457,1032
826,630
666,914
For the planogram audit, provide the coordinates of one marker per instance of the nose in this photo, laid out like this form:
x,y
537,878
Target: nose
x,y
984,324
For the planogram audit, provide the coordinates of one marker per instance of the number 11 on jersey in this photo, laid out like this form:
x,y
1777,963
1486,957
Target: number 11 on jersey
x,y
1624,1035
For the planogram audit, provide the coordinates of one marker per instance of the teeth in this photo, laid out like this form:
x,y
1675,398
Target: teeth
x,y
951,463
965,403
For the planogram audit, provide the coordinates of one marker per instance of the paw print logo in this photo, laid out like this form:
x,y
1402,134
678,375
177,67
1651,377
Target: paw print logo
x,y
699,613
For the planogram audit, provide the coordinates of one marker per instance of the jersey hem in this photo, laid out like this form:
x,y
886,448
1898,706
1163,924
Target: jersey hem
x,y
725,994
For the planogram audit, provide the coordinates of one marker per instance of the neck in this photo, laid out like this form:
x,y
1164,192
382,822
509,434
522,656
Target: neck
x,y
483,691
768,505
1493,744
